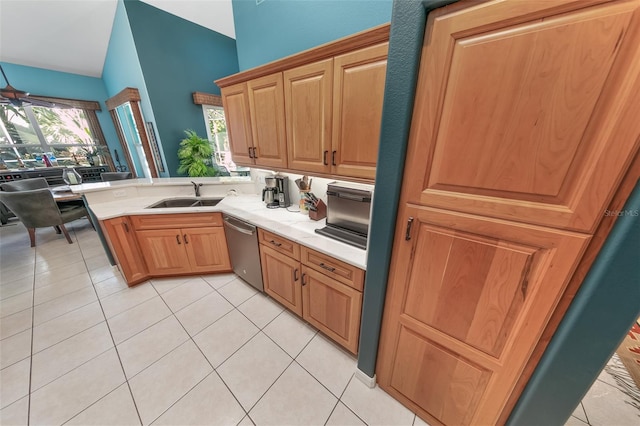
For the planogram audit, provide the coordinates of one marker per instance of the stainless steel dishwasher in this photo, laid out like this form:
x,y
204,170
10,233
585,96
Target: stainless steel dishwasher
x,y
242,240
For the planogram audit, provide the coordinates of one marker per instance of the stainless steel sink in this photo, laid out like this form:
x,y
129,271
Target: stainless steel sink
x,y
185,202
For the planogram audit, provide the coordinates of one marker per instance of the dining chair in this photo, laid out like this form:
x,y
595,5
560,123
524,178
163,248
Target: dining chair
x,y
38,183
37,209
111,176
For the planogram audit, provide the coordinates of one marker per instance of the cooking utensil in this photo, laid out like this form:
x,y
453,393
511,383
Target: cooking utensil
x,y
298,183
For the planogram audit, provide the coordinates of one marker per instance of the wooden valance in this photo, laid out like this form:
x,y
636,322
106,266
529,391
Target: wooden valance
x,y
201,98
128,94
75,103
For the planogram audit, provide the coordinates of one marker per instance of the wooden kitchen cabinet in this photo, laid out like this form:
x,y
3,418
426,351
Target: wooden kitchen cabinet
x,y
235,100
266,111
505,183
332,307
324,291
176,244
315,112
358,92
179,251
281,276
124,246
164,252
307,99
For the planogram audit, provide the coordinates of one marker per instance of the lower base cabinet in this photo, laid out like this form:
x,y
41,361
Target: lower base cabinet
x,y
332,307
325,292
124,246
184,250
164,245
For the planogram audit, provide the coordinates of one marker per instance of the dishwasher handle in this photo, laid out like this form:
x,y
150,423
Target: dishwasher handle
x,y
239,226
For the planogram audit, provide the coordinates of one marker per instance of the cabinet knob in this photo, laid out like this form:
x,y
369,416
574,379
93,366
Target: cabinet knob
x,y
303,280
333,158
185,239
178,239
295,275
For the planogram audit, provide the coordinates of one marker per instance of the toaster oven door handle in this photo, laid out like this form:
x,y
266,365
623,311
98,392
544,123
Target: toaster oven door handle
x,y
349,196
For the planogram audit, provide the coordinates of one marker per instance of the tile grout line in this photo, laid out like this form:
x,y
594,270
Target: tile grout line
x,y
115,347
33,311
214,370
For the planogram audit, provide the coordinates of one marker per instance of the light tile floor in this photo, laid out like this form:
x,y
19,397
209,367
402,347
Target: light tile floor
x,y
79,347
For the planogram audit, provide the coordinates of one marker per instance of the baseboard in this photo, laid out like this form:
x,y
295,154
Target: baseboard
x,y
369,381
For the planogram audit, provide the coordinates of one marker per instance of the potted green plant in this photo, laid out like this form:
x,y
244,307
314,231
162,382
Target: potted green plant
x,y
195,156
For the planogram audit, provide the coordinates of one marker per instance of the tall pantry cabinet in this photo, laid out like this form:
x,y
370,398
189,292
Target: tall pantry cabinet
x,y
524,124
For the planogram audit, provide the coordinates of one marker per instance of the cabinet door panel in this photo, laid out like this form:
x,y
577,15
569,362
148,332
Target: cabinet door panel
x,y
266,104
236,110
164,251
122,240
206,249
281,276
358,92
544,135
307,93
332,307
473,289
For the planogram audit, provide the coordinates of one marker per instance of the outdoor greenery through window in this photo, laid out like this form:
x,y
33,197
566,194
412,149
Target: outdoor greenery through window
x,y
63,134
217,134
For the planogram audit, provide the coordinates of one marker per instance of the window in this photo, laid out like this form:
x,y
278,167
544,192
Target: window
x,y
217,135
65,134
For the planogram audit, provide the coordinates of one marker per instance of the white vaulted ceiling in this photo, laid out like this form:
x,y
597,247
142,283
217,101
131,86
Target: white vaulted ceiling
x,y
73,35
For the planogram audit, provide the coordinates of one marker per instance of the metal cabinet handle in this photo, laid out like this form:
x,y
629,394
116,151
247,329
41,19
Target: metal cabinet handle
x,y
254,153
333,158
407,235
185,239
126,227
303,281
295,275
328,268
275,243
178,239
324,158
250,155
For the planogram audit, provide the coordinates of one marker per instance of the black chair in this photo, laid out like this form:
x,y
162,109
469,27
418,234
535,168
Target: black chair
x,y
111,176
37,209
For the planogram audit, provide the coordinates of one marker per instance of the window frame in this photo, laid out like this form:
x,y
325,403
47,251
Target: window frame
x,y
88,107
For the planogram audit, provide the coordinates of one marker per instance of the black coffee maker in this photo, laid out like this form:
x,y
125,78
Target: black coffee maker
x,y
282,185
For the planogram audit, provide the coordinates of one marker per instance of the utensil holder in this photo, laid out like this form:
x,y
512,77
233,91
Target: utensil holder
x,y
320,213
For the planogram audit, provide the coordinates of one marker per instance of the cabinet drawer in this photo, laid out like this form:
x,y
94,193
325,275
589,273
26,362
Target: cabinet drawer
x,y
340,271
178,220
280,244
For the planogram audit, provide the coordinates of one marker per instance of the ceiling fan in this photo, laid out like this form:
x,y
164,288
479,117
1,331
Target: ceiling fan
x,y
18,98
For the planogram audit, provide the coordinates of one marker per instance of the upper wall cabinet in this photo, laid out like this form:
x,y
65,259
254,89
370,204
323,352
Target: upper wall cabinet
x,y
236,108
358,92
315,112
266,109
307,96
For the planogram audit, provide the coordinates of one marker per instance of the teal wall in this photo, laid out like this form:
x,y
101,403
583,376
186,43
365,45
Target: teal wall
x,y
39,81
122,69
177,58
601,312
277,28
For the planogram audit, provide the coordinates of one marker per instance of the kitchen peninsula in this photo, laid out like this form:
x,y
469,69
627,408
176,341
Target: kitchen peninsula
x,y
317,278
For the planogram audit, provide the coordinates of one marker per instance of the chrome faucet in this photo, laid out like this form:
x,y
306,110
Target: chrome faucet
x,y
196,188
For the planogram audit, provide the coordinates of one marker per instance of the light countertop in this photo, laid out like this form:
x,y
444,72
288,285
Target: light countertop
x,y
123,198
